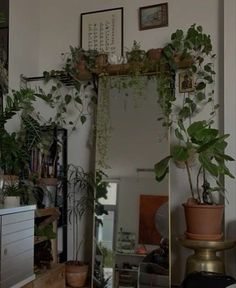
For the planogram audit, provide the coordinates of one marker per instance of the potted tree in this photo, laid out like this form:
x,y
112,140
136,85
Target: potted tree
x,y
85,189
198,139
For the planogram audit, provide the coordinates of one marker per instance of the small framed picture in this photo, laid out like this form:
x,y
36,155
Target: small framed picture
x,y
153,16
186,82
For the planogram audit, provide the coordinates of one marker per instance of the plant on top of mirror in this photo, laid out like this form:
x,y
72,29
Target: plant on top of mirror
x,y
136,54
198,138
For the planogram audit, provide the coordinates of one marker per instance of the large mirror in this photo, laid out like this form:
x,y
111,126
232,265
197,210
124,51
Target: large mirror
x,y
131,245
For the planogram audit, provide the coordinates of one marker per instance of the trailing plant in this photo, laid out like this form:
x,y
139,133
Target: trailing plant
x,y
193,136
73,88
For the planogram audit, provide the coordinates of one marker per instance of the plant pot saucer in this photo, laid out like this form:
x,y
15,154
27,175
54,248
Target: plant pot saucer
x,y
203,237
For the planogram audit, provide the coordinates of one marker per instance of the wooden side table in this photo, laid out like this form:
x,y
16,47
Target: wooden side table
x,y
205,254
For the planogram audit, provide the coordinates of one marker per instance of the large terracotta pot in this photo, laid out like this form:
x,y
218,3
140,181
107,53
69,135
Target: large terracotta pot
x,y
204,222
76,273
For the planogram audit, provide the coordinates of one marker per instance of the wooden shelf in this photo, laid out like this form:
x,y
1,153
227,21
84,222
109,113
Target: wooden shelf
x,y
39,239
126,270
125,68
131,254
46,212
51,215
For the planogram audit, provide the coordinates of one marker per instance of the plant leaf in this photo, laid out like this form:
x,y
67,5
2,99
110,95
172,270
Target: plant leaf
x,y
162,168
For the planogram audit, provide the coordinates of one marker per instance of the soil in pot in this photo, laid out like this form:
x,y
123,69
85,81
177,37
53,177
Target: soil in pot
x,y
76,273
204,222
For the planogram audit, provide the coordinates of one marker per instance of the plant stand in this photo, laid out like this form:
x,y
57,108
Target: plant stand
x,y
52,215
204,257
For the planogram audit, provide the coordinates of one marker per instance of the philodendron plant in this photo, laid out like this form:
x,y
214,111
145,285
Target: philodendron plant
x,y
198,139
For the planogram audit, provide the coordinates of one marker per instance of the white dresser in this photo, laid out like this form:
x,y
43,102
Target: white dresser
x,y
17,246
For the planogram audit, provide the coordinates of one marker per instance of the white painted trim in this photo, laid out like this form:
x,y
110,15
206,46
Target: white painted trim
x,y
24,282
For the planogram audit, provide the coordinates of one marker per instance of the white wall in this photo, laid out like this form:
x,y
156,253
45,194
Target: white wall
x,y
41,30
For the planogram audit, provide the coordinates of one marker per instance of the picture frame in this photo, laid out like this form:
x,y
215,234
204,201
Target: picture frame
x,y
102,31
153,16
186,82
149,206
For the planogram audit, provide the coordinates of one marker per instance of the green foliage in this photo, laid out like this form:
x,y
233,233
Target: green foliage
x,y
46,231
108,256
200,137
136,54
196,48
13,155
85,191
2,18
75,99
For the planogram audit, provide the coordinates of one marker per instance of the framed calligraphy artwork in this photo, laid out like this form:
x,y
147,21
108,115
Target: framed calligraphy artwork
x,y
102,31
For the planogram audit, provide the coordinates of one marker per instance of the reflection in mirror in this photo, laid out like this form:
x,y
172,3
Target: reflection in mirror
x,y
132,242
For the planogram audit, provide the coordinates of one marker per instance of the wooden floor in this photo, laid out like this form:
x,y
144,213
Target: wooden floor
x,y
51,278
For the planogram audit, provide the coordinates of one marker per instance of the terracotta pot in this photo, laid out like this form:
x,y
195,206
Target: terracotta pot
x,y
101,60
83,72
204,222
154,54
76,273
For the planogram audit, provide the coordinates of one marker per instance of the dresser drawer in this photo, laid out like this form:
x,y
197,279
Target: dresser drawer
x,y
15,227
15,248
21,264
17,217
13,237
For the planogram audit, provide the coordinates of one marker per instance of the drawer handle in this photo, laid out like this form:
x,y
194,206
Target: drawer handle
x,y
5,251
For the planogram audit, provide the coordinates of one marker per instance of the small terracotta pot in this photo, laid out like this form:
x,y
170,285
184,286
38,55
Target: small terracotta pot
x,y
83,72
204,222
101,60
76,273
154,54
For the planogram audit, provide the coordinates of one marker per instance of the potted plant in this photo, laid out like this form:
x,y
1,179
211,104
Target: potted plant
x,y
196,138
15,147
82,186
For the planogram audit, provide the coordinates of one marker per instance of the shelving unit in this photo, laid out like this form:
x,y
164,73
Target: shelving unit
x,y
59,168
51,216
126,271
